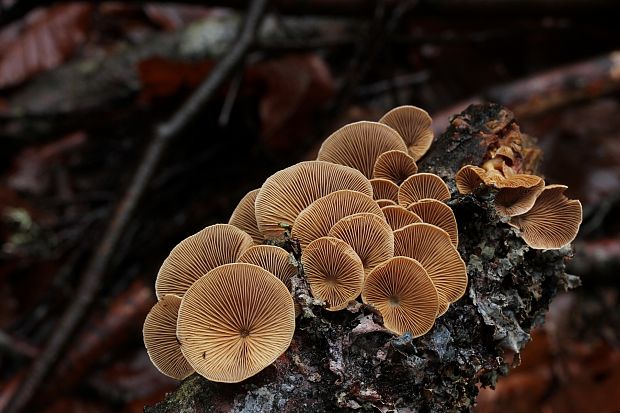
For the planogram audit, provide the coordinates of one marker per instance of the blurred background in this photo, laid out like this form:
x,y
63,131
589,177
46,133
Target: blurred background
x,y
86,86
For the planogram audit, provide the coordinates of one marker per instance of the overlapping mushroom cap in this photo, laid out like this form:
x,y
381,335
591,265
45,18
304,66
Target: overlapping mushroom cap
x,y
244,217
517,193
198,254
395,166
274,259
287,192
235,321
398,216
422,186
439,214
359,144
160,338
404,294
552,222
334,271
384,189
414,125
469,178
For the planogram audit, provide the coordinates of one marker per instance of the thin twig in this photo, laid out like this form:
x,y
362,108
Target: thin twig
x,y
92,278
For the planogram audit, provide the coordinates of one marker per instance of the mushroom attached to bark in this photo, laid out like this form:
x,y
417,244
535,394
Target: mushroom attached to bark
x,y
516,194
421,186
198,254
244,217
439,214
404,294
160,338
398,216
235,321
414,125
274,259
395,166
384,189
287,192
317,219
470,178
552,222
334,271
359,144
369,235
431,246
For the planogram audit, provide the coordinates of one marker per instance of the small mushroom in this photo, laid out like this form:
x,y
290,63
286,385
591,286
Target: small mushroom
x,y
517,193
287,192
198,254
470,178
552,222
160,338
404,294
235,321
421,186
274,259
395,166
244,217
359,144
385,202
384,189
439,214
414,125
398,216
317,219
334,271
369,235
431,246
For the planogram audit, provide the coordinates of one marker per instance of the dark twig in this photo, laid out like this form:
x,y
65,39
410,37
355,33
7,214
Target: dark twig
x,y
92,278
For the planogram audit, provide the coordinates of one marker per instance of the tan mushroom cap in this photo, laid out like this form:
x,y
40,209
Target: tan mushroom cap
x,y
359,144
443,308
369,235
274,259
317,219
414,125
552,222
439,214
244,217
398,216
395,166
385,202
384,189
431,246
287,192
334,271
469,178
517,193
235,321
197,255
422,186
404,294
160,338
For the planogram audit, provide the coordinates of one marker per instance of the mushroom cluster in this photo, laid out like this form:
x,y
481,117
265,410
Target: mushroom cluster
x,y
368,226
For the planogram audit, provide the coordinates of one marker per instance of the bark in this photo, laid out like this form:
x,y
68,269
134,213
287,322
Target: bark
x,y
346,361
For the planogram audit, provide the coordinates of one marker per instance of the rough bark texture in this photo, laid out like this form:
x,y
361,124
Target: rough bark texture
x,y
346,361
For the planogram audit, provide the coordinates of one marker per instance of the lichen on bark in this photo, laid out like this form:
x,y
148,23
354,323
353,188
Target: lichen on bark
x,y
346,360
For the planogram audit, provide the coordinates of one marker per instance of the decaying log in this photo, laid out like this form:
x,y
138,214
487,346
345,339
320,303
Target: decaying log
x,y
346,361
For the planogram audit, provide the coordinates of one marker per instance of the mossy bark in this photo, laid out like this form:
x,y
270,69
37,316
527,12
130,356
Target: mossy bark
x,y
346,361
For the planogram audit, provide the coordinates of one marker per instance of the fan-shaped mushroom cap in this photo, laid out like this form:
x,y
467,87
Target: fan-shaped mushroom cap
x,y
287,192
235,321
404,294
334,271
516,194
398,216
384,189
385,202
198,254
244,217
552,222
414,125
431,246
369,235
160,338
421,186
395,166
274,259
317,219
443,308
359,144
469,178
439,214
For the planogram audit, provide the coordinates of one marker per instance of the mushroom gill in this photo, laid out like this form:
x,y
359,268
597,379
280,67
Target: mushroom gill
x,y
244,217
439,214
414,125
395,166
384,189
274,259
421,186
516,194
470,178
398,216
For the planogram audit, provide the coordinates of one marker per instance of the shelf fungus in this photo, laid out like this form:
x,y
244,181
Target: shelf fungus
x,y
235,321
398,216
422,186
414,125
244,217
395,166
